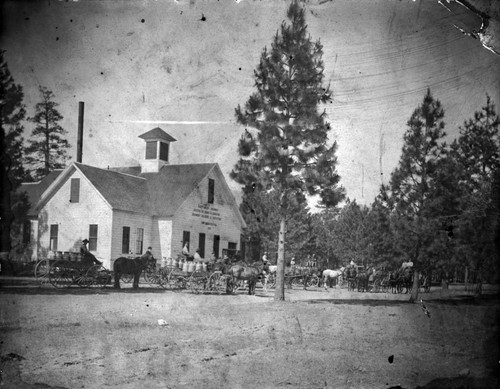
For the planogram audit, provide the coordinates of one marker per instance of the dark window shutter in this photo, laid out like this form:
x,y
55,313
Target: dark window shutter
x,y
75,190
185,238
216,245
93,237
126,240
211,190
201,245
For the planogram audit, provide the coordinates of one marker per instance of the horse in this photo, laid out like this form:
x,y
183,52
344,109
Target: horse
x,y
394,282
133,266
249,273
362,281
329,275
350,276
224,266
271,271
406,279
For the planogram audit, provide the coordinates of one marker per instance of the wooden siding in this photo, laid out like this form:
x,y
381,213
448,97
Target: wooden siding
x,y
134,221
198,216
74,218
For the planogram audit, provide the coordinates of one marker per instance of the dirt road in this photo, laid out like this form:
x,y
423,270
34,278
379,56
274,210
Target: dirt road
x,y
315,339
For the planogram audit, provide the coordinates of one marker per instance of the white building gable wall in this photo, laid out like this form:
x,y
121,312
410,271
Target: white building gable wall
x,y
197,216
134,221
74,218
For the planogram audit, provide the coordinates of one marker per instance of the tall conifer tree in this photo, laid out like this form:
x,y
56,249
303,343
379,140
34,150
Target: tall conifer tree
x,y
287,149
48,149
12,113
416,185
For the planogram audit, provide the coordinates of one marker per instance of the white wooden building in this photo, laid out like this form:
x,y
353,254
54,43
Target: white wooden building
x,y
122,211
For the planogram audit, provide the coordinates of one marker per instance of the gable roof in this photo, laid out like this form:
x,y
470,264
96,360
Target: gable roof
x,y
122,191
34,190
126,188
157,133
168,188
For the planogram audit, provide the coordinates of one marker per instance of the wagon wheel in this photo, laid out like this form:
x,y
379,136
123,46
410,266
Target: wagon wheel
x,y
198,281
313,281
149,275
298,281
176,281
98,275
80,278
61,275
42,270
271,281
162,277
217,283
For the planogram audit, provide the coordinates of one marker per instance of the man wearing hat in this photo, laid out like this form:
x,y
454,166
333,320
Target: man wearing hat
x,y
87,256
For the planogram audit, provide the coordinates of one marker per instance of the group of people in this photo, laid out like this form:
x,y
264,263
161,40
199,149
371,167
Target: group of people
x,y
197,256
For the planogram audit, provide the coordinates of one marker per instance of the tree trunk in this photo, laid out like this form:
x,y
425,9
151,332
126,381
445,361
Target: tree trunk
x,y
414,289
279,291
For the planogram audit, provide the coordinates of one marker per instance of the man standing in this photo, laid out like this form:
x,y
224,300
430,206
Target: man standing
x,y
265,273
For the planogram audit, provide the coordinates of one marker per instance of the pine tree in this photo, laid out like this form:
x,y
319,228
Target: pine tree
x,y
47,149
478,147
287,150
12,112
415,183
261,213
476,152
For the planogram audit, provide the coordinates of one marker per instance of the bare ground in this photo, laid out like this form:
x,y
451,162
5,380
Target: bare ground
x,y
316,339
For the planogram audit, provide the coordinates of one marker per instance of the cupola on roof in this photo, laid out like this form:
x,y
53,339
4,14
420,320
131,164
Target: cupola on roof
x,y
157,134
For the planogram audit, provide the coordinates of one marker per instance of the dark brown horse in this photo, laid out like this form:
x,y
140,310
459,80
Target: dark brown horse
x,y
362,280
224,265
249,273
133,266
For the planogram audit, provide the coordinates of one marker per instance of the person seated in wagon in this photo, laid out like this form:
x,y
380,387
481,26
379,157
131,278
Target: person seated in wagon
x,y
185,252
197,256
87,256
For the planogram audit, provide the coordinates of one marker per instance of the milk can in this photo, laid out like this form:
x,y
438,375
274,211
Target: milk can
x,y
198,266
169,262
185,267
204,266
190,267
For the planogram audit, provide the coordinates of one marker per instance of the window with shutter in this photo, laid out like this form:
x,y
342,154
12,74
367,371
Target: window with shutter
x,y
139,242
211,190
75,190
126,240
93,237
54,229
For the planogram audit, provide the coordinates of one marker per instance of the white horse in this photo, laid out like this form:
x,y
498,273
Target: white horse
x,y
270,270
332,274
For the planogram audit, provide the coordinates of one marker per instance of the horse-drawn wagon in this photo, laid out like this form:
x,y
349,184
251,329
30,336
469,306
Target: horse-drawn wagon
x,y
66,272
197,277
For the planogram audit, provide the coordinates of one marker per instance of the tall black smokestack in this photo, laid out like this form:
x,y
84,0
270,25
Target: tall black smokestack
x,y
79,145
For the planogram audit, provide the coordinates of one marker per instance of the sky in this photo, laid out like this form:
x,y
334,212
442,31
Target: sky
x,y
185,65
